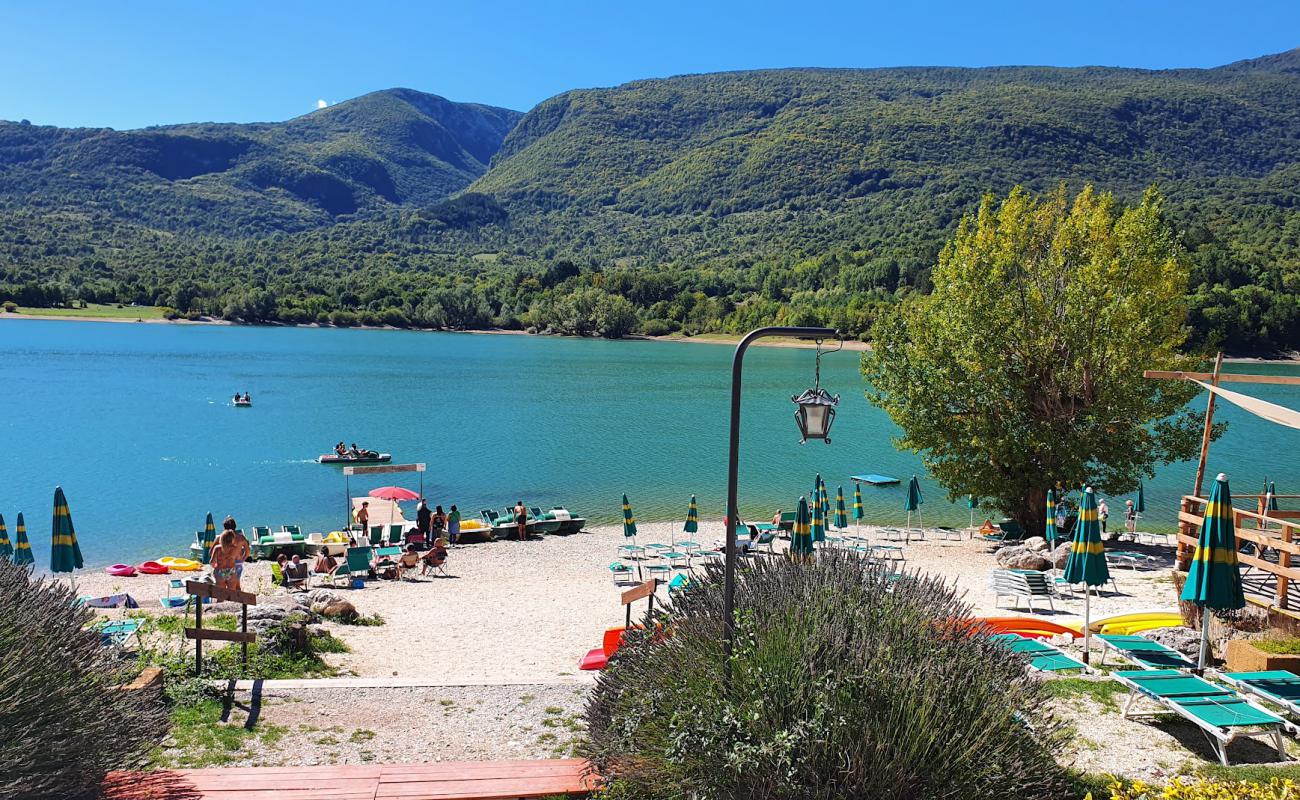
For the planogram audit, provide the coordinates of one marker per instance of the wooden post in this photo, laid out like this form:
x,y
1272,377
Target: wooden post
x,y
198,643
1283,562
1185,553
244,627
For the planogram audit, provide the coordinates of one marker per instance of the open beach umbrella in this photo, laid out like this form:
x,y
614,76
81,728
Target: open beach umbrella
x,y
209,539
65,553
1214,581
22,547
818,523
6,548
1050,528
801,540
913,503
629,521
841,516
1140,504
394,493
1272,496
1087,561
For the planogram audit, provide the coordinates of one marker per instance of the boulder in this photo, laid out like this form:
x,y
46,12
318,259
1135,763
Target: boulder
x,y
320,596
1060,555
1035,543
268,612
1021,557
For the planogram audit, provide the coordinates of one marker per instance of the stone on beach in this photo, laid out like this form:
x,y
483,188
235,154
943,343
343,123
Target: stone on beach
x,y
1021,557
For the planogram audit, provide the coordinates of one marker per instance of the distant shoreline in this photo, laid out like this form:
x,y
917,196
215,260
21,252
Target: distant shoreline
x,y
707,338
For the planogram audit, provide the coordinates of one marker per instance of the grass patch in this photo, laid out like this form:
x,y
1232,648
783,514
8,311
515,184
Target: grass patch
x,y
1282,645
446,703
95,311
554,710
329,644
1255,773
326,741
1104,693
552,722
528,698
361,735
201,739
362,620
546,738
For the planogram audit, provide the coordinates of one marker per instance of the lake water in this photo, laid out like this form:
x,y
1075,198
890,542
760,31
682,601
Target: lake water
x,y
135,422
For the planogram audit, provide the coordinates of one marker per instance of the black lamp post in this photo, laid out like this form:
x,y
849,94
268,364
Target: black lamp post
x,y
814,417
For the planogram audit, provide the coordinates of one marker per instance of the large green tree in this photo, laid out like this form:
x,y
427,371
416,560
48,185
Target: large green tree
x,y
1023,369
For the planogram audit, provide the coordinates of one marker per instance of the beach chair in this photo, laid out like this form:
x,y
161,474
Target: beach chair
x,y
787,521
1276,687
678,583
1130,559
620,572
658,570
292,530
1220,713
765,539
1021,583
1146,653
261,532
395,533
376,535
951,534
1041,656
356,564
118,633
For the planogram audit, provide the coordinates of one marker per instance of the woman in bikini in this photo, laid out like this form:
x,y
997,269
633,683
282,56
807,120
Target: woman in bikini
x,y
223,561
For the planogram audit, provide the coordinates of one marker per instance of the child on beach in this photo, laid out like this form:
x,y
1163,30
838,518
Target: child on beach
x,y
223,561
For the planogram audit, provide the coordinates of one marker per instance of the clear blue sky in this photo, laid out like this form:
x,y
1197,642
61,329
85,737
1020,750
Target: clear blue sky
x,y
128,64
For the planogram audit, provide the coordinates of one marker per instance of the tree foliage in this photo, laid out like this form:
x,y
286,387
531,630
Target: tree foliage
x,y
1023,369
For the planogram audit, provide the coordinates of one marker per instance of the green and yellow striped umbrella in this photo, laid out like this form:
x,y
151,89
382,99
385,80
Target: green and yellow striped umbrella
x,y
1272,496
65,553
825,501
629,521
6,547
818,522
858,513
209,539
841,517
1140,504
801,540
692,517
1050,528
1087,562
1214,580
22,547
972,502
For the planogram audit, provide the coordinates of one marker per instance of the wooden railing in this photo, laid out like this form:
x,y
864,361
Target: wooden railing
x,y
1276,530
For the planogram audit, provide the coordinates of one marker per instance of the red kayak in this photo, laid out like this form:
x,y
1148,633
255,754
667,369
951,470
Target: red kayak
x,y
153,568
121,570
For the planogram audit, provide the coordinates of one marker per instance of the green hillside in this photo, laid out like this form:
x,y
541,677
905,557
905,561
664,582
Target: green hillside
x,y
697,203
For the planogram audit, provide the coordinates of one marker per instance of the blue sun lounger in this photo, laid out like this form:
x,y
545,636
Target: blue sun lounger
x,y
1042,656
1146,653
1278,688
1222,715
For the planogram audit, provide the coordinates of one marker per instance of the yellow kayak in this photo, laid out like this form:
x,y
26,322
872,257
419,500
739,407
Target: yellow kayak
x,y
180,564
1136,622
474,525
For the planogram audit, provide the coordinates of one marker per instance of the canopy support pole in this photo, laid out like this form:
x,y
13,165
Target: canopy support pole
x,y
1184,552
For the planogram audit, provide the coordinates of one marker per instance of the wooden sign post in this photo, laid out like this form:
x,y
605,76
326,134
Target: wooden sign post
x,y
645,590
201,590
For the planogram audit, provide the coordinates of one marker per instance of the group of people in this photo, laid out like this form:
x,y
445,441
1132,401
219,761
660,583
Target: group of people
x,y
343,450
295,571
430,525
1103,515
228,555
243,398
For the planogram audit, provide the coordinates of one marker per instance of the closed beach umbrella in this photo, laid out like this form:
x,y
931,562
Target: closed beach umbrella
x,y
22,547
818,523
65,553
6,548
841,516
1214,581
692,519
1272,496
858,513
826,504
972,502
1140,504
629,521
1087,561
913,503
209,538
1050,528
801,540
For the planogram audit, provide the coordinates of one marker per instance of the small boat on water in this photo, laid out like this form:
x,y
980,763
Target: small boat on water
x,y
242,403
368,457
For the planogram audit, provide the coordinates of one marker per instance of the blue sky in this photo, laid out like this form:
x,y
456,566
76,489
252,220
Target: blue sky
x,y
129,64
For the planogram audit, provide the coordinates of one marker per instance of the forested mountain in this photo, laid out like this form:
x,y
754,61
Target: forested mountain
x,y
704,202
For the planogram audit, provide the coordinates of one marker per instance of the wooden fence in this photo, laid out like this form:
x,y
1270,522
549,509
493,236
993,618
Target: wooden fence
x,y
1278,531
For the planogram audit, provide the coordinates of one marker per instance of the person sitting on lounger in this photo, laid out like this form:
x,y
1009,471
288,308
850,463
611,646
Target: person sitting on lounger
x,y
325,563
295,575
435,558
409,560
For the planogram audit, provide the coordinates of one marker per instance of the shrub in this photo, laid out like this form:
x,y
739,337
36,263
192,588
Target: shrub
x,y
65,723
1205,789
1282,645
10,307
845,684
657,327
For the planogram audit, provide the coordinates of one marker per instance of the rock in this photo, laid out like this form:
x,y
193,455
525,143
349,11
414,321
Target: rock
x,y
223,608
338,609
286,601
321,596
1021,557
1060,555
317,630
1035,543
268,612
1184,640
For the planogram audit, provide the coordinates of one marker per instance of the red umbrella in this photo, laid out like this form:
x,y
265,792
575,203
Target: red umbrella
x,y
394,493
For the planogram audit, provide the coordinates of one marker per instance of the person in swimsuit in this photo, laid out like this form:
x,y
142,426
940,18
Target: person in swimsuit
x,y
223,561
453,524
435,558
521,519
363,517
242,548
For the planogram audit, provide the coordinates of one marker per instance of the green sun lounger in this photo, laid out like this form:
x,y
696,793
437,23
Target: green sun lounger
x,y
1277,688
1222,714
1146,653
119,633
1041,655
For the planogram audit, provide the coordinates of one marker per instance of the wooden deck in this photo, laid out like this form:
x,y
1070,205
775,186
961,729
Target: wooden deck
x,y
447,780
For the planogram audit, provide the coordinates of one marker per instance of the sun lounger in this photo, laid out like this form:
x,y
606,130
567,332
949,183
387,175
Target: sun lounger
x,y
1146,653
119,633
1129,559
1041,655
356,564
1222,714
1018,583
951,534
620,572
376,535
1276,687
395,533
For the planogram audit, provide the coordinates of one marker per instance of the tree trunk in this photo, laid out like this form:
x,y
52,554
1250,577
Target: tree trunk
x,y
1031,513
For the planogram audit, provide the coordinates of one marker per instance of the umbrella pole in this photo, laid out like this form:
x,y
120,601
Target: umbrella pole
x,y
1205,639
1087,623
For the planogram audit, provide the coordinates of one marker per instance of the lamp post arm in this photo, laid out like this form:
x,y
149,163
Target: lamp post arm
x,y
733,468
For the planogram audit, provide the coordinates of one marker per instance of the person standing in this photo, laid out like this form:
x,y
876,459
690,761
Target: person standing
x,y
1130,519
453,524
1103,512
223,561
363,518
438,523
521,519
242,548
423,520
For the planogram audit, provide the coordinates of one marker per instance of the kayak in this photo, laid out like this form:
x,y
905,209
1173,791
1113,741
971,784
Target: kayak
x,y
334,458
153,568
180,564
121,570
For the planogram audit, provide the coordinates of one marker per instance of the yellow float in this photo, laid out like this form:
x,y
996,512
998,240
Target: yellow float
x,y
180,564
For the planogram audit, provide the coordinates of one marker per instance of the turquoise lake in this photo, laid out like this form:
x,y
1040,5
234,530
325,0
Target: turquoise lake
x,y
135,422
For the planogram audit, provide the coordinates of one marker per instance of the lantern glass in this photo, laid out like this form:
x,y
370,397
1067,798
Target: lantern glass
x,y
815,414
